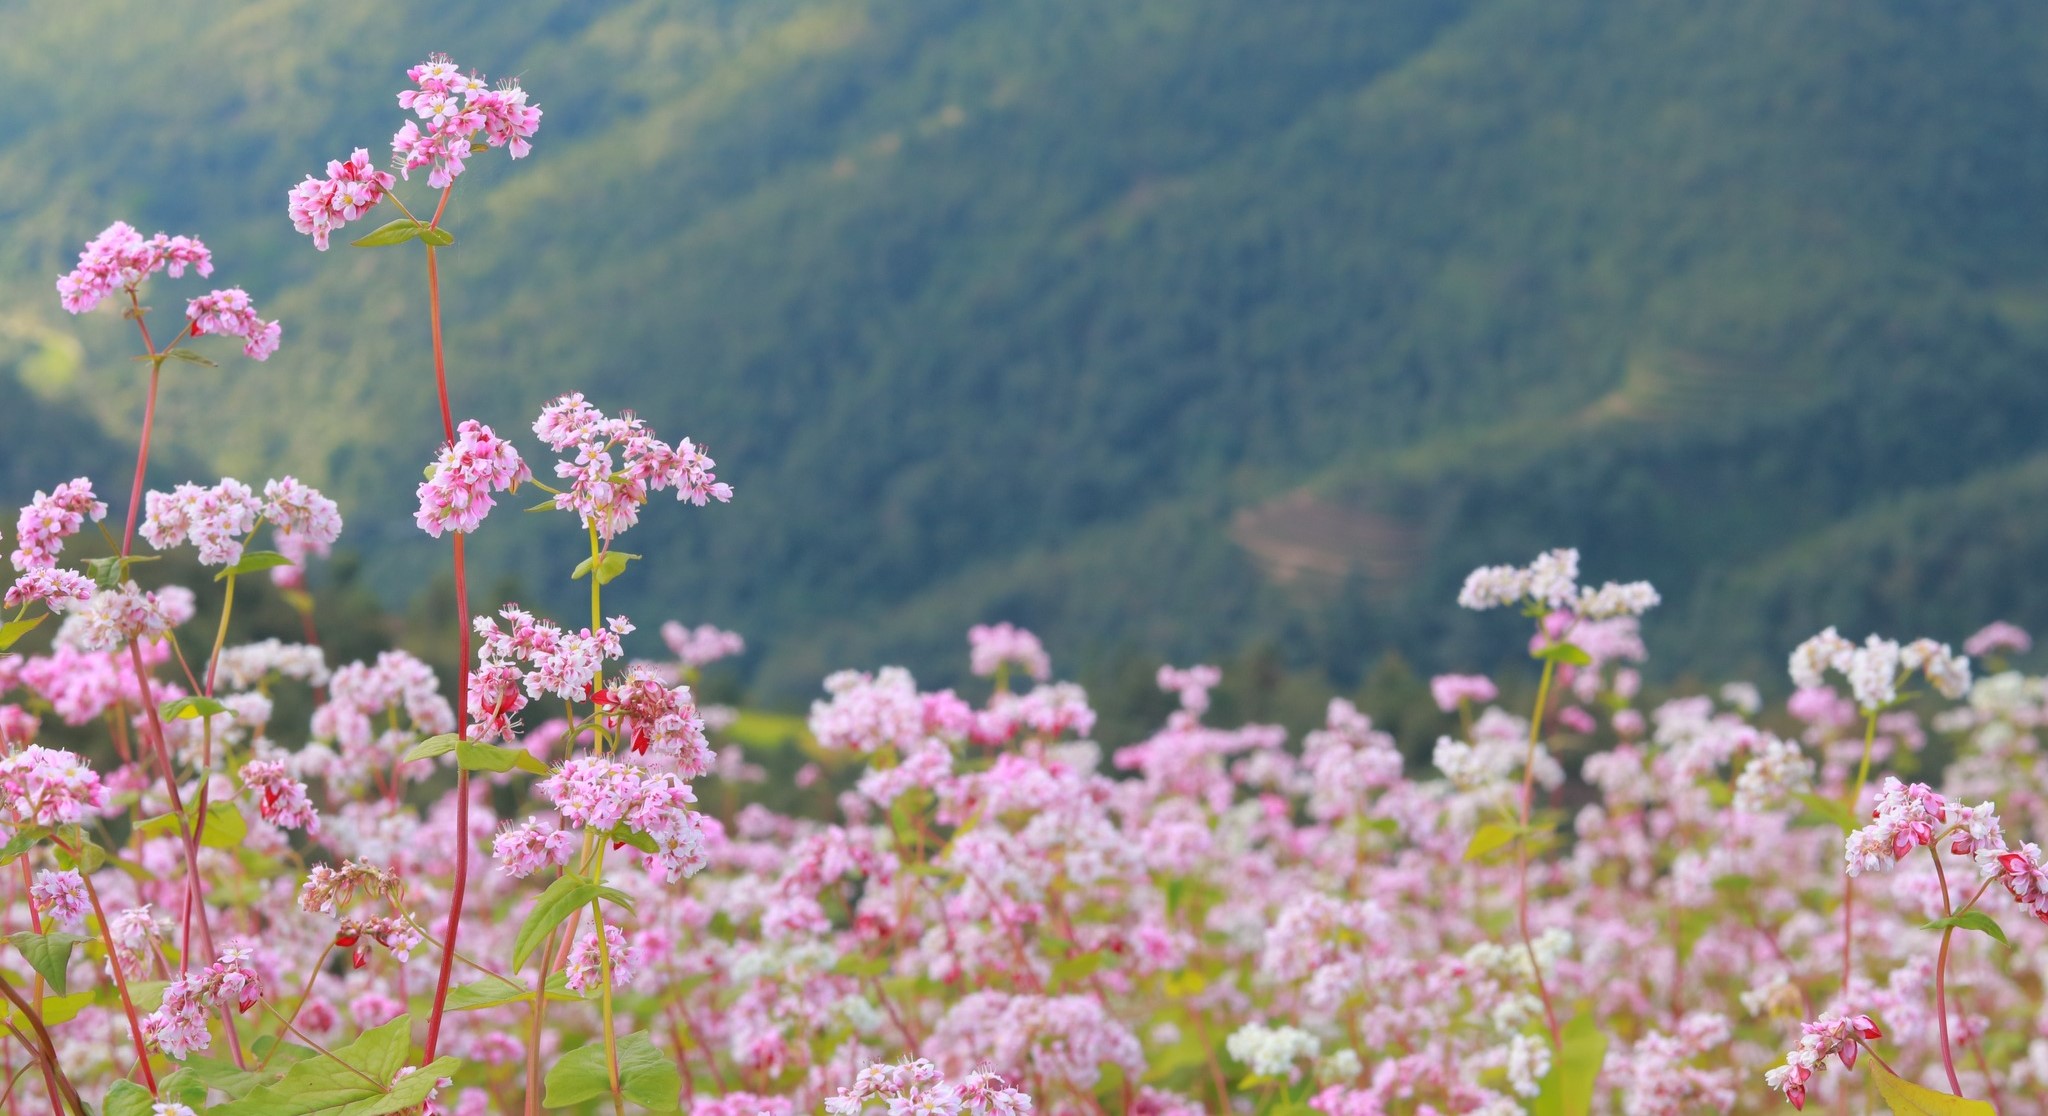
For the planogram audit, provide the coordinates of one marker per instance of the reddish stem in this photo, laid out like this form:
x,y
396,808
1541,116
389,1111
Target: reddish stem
x,y
1948,1057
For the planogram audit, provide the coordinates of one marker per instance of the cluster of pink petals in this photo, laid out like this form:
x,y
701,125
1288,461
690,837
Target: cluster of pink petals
x,y
58,589
329,889
585,967
1999,636
530,847
363,697
50,518
60,897
565,664
992,645
1191,685
48,786
213,519
230,313
115,616
646,714
178,1027
457,492
280,799
318,206
592,792
701,645
120,258
1830,1034
456,107
1453,690
1904,819
918,1088
607,493
396,934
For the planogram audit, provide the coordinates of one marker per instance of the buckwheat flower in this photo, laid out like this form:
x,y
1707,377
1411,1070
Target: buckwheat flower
x,y
701,645
1776,770
281,799
49,519
1554,578
992,645
508,121
61,898
171,1108
495,699
179,1026
2025,878
584,966
1452,690
59,590
1271,1051
1903,820
212,519
1493,587
47,786
1978,834
1615,600
299,510
652,715
351,189
230,312
1830,1034
530,847
457,492
329,889
1528,1062
119,258
1948,674
1998,636
1743,696
1813,659
1192,684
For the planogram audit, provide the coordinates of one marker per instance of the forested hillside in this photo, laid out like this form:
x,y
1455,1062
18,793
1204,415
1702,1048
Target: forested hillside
x,y
1165,327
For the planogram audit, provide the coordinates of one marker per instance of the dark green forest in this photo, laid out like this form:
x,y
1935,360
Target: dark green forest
x,y
1173,329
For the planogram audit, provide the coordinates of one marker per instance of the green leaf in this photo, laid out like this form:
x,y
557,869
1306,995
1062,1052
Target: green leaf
x,y
609,565
430,747
254,561
186,1088
634,838
1074,970
353,1080
15,629
1829,810
190,709
562,898
189,357
545,505
854,965
126,1098
472,756
225,826
1564,653
437,236
22,841
1490,838
48,954
56,1009
1907,1099
1971,920
616,898
491,991
397,232
647,1077
1567,1090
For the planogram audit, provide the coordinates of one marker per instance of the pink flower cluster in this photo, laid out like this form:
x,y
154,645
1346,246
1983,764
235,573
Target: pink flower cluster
x,y
456,107
1875,669
702,645
585,967
50,518
606,492
48,786
319,206
120,258
457,492
396,934
1551,584
530,847
1998,636
213,519
1830,1034
918,1088
115,616
280,799
592,792
992,645
58,589
1450,691
649,714
1904,820
178,1027
567,665
230,313
60,897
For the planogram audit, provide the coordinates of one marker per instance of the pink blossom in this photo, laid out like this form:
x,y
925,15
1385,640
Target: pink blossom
x,y
179,1026
47,786
61,897
281,799
528,848
457,492
1999,636
230,312
58,589
351,189
701,645
119,258
48,519
1453,690
584,968
212,519
993,645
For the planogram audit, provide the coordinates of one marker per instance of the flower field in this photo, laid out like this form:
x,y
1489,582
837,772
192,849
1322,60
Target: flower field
x,y
511,891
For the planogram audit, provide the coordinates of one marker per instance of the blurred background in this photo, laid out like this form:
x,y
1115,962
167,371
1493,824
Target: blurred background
x,y
1174,330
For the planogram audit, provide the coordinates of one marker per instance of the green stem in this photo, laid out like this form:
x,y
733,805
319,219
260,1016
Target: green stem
x,y
1522,855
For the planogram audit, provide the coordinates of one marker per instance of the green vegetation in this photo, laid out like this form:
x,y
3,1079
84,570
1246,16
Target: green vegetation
x,y
1168,328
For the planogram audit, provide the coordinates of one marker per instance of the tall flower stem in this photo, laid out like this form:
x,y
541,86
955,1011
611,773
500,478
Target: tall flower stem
x,y
120,981
604,953
1948,1057
461,668
1522,853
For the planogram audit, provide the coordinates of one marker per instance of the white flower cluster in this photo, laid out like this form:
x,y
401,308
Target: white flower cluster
x,y
1552,582
1776,769
1271,1051
1876,668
